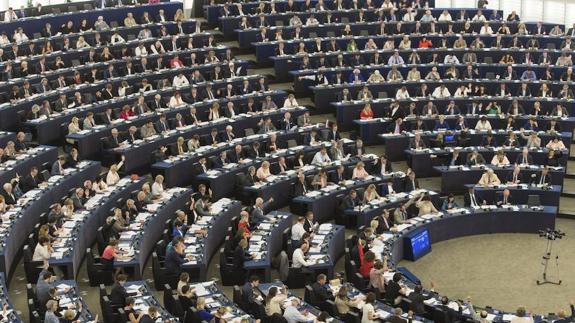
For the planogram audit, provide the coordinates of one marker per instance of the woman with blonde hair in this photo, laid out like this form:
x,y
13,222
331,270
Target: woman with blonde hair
x,y
359,171
370,194
113,177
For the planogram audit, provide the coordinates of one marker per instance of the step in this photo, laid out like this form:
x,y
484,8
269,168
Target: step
x,y
566,214
570,194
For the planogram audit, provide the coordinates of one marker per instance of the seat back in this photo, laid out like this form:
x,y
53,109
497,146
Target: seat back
x,y
533,200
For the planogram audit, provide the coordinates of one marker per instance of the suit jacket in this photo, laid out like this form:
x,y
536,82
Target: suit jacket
x,y
349,203
409,185
300,188
320,292
118,295
9,199
479,160
547,180
29,183
55,168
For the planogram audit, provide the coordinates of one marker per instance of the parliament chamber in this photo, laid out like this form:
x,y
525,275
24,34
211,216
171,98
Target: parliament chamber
x,y
277,160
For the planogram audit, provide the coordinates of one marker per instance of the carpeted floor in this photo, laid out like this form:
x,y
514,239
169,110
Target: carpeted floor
x,y
501,270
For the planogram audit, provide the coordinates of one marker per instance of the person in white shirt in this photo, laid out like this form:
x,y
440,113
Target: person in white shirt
x,y
293,315
10,15
297,230
117,39
444,16
19,36
402,93
180,80
409,16
290,102
158,186
486,29
141,50
483,124
450,59
321,157
113,177
176,100
479,17
461,91
43,250
298,257
312,21
441,92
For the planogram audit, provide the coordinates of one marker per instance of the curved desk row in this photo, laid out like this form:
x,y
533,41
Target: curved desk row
x,y
21,166
548,194
395,145
213,12
348,113
173,168
79,61
363,214
266,242
325,203
215,298
311,313
5,137
280,187
48,130
466,222
22,218
71,299
454,179
422,161
79,231
326,247
249,37
230,23
23,106
145,231
146,147
203,247
89,144
216,178
324,95
129,34
486,74
35,24
144,297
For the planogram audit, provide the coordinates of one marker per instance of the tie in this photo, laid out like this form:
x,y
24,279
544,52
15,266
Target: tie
x,y
542,180
473,202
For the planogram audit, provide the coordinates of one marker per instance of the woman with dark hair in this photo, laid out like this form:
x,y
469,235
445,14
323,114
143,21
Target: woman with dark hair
x,y
273,300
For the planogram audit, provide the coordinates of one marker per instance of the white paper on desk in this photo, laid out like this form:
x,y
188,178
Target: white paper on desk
x,y
382,314
508,317
403,226
490,317
256,238
201,290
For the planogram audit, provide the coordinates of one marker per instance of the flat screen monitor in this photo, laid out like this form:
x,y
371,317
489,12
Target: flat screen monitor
x,y
417,244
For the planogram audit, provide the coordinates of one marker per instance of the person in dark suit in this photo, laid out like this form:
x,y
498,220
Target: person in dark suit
x,y
339,175
259,210
394,289
417,300
300,187
119,294
249,295
162,125
237,154
320,291
397,318
286,123
175,258
411,183
8,194
31,181
351,200
240,257
396,127
471,198
114,140
450,315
